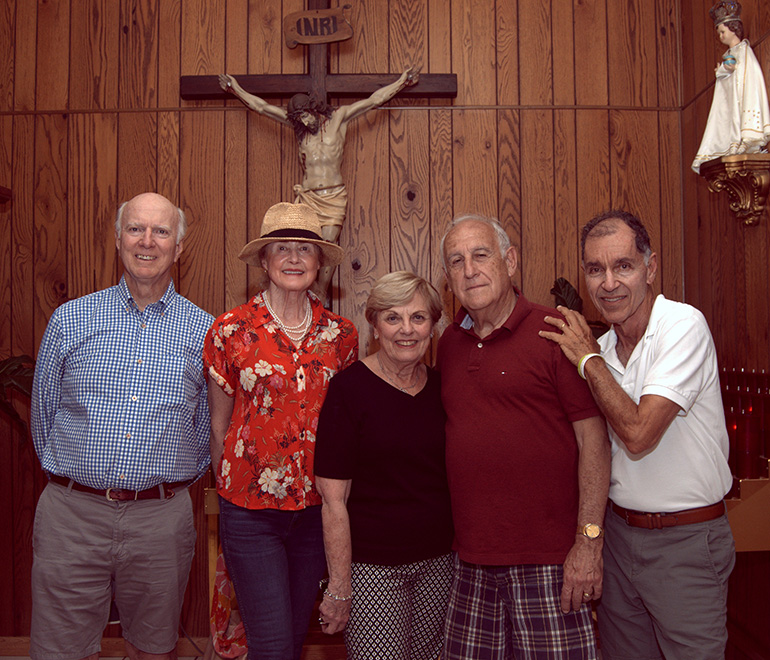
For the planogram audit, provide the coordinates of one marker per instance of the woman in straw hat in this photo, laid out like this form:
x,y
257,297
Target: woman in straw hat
x,y
269,363
381,471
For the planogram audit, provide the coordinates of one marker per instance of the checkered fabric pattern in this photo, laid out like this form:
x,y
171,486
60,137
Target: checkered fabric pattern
x,y
119,396
506,612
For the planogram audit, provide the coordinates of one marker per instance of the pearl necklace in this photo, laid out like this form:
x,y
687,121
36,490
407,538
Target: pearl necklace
x,y
390,380
293,332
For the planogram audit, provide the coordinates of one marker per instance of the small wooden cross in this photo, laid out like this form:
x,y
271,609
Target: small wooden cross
x,y
318,81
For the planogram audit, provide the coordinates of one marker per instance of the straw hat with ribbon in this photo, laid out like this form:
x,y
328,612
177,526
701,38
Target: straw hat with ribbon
x,y
291,222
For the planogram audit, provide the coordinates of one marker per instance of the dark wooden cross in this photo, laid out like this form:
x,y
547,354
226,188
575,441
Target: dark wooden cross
x,y
318,81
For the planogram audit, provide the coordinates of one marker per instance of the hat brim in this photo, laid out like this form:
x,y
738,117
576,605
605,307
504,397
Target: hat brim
x,y
250,253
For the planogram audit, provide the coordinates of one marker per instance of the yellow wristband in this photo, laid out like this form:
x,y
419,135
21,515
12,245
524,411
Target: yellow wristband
x,y
582,363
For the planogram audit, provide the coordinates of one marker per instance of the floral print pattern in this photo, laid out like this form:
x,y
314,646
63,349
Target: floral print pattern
x,y
279,390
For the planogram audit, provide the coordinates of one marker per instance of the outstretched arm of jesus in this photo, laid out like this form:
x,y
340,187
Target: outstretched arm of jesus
x,y
348,112
230,84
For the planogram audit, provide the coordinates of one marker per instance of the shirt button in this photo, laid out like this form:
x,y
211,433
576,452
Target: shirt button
x,y
133,398
144,325
301,405
139,361
480,345
122,476
128,436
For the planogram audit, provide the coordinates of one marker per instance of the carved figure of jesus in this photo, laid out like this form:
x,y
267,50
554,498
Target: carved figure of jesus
x,y
320,130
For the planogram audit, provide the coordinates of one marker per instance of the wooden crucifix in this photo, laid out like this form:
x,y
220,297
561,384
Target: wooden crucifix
x,y
320,129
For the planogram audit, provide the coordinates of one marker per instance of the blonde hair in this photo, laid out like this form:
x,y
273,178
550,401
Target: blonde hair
x,y
398,288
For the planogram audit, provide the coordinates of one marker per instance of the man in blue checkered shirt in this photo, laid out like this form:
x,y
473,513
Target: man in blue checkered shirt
x,y
120,423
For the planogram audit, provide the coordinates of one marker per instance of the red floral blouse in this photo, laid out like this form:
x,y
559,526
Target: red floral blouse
x,y
279,390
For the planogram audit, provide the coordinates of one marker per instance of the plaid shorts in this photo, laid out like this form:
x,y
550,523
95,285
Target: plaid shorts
x,y
506,612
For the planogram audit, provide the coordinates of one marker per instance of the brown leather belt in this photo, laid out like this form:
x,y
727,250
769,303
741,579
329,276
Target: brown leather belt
x,y
659,520
161,491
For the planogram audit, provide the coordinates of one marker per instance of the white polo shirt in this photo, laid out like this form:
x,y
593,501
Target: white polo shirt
x,y
675,359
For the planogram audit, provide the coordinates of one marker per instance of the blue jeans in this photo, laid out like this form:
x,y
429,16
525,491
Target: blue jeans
x,y
275,560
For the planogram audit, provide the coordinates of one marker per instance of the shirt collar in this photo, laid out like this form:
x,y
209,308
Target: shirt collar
x,y
521,310
127,299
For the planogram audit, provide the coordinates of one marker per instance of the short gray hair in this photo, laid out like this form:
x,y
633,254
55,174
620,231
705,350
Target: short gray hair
x,y
398,288
503,240
181,229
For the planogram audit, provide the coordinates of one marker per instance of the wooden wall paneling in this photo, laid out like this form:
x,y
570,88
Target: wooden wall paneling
x,y
203,30
169,53
535,53
410,244
507,47
537,252
632,61
563,26
7,63
441,197
265,42
634,172
757,329
22,277
137,154
509,178
592,59
408,41
25,56
473,53
592,177
688,50
167,156
95,50
139,40
566,221
235,221
667,29
6,234
474,162
690,139
201,194
91,194
50,214
53,55
6,520
669,249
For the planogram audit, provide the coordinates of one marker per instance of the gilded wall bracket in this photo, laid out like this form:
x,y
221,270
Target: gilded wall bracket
x,y
746,178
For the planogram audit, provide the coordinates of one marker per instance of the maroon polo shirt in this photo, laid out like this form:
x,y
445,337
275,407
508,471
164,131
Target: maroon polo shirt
x,y
511,452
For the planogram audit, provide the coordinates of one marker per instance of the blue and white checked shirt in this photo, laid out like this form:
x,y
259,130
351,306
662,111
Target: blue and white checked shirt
x,y
119,397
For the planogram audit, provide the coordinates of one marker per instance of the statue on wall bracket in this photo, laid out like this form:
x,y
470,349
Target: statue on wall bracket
x,y
733,152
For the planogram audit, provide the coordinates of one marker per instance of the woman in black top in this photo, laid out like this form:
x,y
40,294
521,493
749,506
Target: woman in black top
x,y
379,466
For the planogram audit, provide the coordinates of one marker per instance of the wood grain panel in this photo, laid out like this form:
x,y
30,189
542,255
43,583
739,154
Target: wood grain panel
x,y
293,60
474,162
409,199
137,154
441,197
670,250
264,37
169,53
633,62
563,25
408,42
95,47
536,52
50,214
53,49
138,54
592,180
367,50
366,235
6,236
235,221
667,49
168,155
592,63
756,275
22,281
7,63
6,519
93,164
25,61
203,24
537,252
507,34
509,178
440,41
566,221
473,53
201,194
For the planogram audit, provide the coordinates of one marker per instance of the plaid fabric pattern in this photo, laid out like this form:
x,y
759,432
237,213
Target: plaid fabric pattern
x,y
119,396
506,612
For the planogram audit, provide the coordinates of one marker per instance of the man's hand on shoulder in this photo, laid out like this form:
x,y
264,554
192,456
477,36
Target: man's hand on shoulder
x,y
582,573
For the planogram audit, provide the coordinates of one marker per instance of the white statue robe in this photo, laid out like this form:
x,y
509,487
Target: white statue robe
x,y
739,121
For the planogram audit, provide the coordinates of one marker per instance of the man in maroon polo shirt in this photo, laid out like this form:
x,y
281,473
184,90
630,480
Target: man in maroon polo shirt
x,y
528,460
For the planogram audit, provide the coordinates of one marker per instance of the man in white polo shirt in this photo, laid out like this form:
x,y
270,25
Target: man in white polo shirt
x,y
668,551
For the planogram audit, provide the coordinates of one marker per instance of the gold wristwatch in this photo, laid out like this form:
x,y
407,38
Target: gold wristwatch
x,y
591,530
